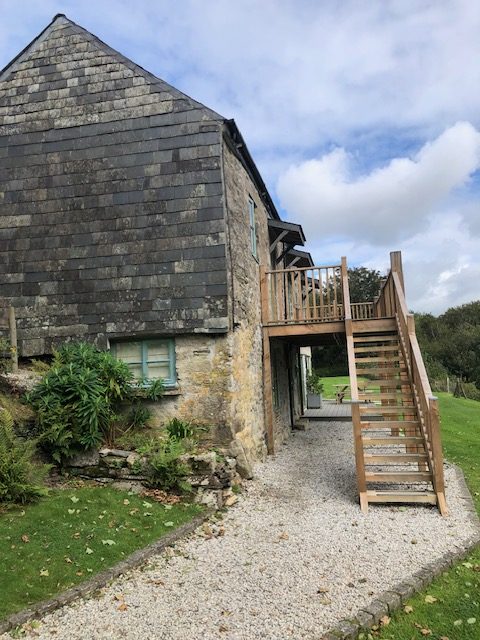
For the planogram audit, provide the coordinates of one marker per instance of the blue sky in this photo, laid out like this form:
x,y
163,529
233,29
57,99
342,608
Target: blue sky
x,y
363,115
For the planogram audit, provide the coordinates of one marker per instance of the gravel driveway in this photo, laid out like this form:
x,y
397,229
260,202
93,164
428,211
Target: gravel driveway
x,y
296,555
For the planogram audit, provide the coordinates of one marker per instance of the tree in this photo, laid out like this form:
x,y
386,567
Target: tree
x,y
364,284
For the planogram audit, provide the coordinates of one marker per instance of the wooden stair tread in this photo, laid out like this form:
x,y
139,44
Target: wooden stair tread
x,y
427,497
394,458
392,395
392,440
389,382
387,359
371,348
387,371
398,476
391,337
378,425
387,408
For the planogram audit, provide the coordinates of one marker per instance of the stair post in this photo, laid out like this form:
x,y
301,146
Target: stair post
x,y
396,265
267,366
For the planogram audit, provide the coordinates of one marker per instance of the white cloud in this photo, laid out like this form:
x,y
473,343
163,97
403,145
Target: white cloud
x,y
302,77
389,204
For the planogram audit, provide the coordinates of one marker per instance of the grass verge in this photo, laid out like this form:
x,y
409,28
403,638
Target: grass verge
x,y
73,534
450,607
329,389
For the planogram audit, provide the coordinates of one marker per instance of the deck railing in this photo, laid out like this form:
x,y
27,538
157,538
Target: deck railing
x,y
391,303
362,310
305,295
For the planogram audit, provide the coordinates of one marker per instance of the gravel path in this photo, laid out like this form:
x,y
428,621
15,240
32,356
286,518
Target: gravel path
x,y
296,556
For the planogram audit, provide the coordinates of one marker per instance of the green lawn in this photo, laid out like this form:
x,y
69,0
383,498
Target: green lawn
x,y
329,389
71,535
455,613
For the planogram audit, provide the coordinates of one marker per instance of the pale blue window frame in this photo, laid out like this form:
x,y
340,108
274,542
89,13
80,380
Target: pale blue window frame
x,y
253,226
171,381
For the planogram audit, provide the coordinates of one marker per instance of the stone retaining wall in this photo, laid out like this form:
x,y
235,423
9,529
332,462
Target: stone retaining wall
x,y
210,475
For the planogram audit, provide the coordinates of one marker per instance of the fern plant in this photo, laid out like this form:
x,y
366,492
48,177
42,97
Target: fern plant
x,y
165,469
21,479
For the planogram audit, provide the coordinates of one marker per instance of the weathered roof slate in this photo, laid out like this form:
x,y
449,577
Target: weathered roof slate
x,y
111,219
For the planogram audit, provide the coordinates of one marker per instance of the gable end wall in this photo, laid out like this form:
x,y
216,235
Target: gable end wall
x,y
111,204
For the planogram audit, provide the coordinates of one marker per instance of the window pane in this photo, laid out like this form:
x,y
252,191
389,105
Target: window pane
x,y
161,370
158,351
136,369
129,352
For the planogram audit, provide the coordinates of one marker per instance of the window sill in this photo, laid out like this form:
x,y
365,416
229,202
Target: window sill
x,y
172,392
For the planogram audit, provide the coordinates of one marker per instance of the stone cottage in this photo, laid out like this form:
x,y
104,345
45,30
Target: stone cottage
x,y
134,217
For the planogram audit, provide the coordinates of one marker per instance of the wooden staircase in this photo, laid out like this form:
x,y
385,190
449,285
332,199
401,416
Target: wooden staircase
x,y
393,448
396,427
395,418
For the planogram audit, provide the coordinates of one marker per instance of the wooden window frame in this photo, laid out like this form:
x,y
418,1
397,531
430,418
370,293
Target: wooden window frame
x,y
169,382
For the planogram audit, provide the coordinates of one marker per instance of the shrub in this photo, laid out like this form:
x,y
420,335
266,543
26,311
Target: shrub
x,y
76,400
5,355
138,417
314,383
165,470
180,429
21,479
164,467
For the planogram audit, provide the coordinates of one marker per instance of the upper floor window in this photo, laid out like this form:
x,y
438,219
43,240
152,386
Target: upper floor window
x,y
253,226
149,359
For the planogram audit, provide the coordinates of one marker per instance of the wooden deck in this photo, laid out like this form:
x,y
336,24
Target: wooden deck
x,y
330,411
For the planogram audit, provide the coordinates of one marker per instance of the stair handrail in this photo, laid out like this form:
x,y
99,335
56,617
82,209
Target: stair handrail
x,y
425,401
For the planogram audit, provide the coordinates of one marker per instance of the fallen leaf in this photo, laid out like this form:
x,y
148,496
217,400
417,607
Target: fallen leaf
x,y
147,513
458,623
471,621
323,590
25,538
146,505
68,560
119,596
71,511
169,524
468,565
407,608
430,599
44,573
283,536
122,607
109,542
126,501
76,535
385,621
79,573
88,550
426,632
223,628
74,499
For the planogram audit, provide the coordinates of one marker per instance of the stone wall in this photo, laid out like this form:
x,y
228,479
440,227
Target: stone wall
x,y
247,405
111,207
210,476
204,386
